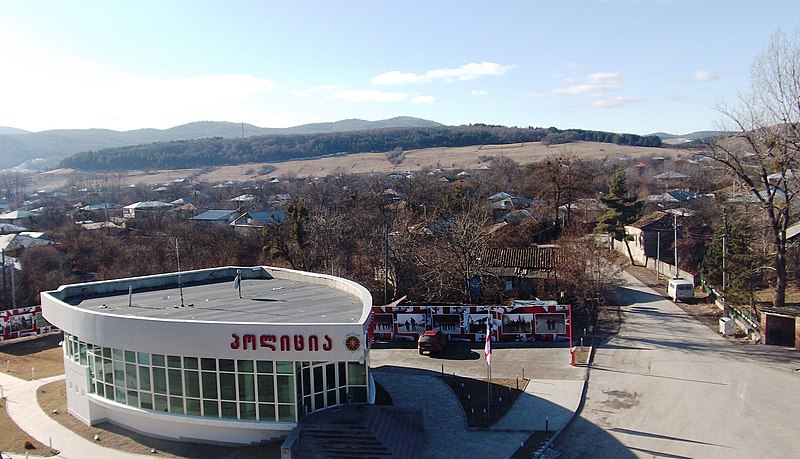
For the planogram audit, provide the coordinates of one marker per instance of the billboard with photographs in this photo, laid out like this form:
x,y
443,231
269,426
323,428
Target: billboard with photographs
x,y
517,323
476,323
384,323
447,323
21,322
555,324
410,323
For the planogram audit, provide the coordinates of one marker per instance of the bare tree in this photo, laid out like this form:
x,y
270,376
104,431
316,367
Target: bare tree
x,y
763,155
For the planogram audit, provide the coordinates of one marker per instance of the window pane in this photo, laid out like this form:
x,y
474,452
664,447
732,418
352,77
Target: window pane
x,y
160,402
176,405
190,363
317,379
229,410
245,366
266,412
192,381
330,376
264,366
319,401
144,378
109,392
356,374
306,381
159,380
286,413
210,409
227,386
158,360
119,373
133,398
247,411
146,400
130,356
209,364
226,365
108,371
173,361
284,367
119,395
175,382
144,358
285,388
130,376
209,385
193,406
118,354
247,390
99,389
266,388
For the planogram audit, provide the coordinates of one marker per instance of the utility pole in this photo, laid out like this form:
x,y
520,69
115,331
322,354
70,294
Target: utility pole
x,y
675,227
725,311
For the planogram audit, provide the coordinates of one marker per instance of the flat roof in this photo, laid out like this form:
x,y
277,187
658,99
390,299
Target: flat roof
x,y
264,300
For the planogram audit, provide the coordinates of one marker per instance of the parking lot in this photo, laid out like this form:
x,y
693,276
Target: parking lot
x,y
550,361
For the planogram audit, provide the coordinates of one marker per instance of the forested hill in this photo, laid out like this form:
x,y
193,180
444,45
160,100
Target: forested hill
x,y
276,148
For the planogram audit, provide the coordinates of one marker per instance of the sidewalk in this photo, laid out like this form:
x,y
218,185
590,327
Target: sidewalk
x,y
551,402
24,410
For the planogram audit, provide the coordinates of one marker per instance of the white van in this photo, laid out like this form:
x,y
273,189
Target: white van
x,y
680,289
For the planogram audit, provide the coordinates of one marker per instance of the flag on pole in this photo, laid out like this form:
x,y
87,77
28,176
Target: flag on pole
x,y
487,349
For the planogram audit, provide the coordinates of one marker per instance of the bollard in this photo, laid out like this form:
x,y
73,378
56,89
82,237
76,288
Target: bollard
x,y
462,390
443,370
50,442
33,373
8,365
546,424
517,382
523,372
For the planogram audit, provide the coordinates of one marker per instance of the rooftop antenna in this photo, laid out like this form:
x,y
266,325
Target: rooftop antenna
x,y
178,260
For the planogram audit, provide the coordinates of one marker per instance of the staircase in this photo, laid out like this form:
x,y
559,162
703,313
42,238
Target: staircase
x,y
358,432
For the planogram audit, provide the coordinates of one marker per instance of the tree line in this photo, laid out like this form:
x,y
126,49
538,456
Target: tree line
x,y
217,151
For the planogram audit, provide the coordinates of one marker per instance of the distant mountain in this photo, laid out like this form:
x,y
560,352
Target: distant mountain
x,y
5,130
697,135
18,146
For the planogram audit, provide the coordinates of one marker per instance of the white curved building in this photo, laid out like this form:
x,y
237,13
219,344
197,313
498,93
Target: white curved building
x,y
211,357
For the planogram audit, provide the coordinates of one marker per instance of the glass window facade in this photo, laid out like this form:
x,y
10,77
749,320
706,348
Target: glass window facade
x,y
253,390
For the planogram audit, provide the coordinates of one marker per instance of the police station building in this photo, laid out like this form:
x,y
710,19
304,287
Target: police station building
x,y
224,355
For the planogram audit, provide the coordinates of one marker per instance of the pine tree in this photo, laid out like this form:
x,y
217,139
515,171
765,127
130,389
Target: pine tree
x,y
622,209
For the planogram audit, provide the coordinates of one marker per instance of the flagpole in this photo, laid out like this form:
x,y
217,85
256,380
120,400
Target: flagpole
x,y
488,354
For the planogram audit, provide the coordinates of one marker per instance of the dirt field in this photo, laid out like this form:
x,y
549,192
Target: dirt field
x,y
446,158
42,354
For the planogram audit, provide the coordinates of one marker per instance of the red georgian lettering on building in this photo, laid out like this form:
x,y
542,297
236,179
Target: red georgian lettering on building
x,y
251,342
286,343
268,341
249,339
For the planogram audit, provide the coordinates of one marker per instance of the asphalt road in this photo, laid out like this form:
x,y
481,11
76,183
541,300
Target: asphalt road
x,y
668,387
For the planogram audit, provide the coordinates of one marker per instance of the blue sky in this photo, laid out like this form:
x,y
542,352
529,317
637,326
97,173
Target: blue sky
x,y
617,65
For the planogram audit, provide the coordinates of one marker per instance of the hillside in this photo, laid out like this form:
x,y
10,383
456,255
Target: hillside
x,y
18,146
217,151
457,159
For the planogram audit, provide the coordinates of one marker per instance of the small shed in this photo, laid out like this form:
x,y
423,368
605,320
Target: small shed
x,y
781,326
